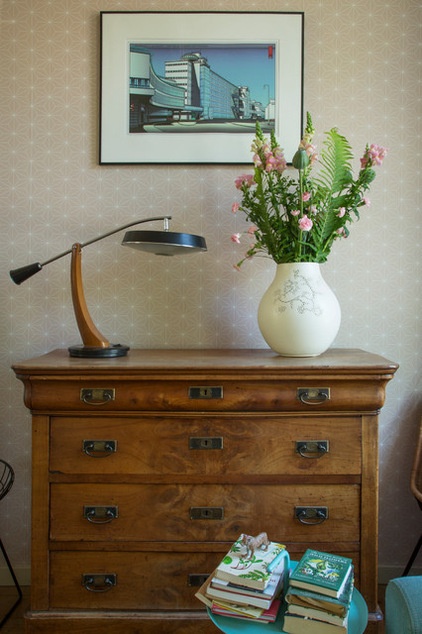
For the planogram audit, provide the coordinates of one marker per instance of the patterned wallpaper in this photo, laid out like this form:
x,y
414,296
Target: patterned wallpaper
x,y
362,73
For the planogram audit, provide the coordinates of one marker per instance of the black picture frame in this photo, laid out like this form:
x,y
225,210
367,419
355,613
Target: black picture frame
x,y
188,87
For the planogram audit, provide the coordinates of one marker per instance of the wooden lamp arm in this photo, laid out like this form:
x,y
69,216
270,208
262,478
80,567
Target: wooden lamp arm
x,y
90,334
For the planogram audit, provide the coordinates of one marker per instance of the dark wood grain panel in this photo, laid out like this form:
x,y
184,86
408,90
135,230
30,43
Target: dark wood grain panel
x,y
163,512
250,444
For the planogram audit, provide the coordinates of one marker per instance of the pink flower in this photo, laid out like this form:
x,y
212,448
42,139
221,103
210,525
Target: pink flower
x,y
267,158
310,150
305,223
235,238
306,196
374,155
377,153
295,212
235,207
366,201
257,160
275,161
266,149
271,164
281,161
246,180
341,212
341,232
252,230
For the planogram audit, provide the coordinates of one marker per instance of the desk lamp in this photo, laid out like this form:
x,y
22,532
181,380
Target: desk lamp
x,y
159,242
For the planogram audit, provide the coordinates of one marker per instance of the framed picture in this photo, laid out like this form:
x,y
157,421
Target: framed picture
x,y
190,87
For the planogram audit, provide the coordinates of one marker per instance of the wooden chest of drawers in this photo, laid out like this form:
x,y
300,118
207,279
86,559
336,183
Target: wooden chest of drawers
x,y
146,468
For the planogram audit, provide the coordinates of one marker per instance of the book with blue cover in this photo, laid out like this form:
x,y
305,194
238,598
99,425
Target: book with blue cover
x,y
322,572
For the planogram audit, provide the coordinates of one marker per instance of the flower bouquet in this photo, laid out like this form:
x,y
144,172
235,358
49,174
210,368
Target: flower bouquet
x,y
298,220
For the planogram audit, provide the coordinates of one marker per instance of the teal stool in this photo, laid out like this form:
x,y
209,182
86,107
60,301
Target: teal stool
x,y
403,606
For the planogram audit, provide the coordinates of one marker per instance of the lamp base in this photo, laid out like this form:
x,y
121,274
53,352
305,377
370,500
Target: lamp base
x,y
114,350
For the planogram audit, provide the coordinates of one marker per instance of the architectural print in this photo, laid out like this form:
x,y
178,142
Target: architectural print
x,y
176,91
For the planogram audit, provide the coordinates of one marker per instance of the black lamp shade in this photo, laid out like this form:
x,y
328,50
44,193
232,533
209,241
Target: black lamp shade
x,y
164,242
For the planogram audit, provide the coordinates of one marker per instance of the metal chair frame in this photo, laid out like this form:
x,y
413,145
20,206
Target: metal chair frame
x,y
7,477
416,488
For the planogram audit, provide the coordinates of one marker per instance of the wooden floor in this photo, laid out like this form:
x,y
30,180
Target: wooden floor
x,y
15,624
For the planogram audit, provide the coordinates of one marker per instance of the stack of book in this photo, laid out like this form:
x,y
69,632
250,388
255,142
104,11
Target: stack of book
x,y
245,587
319,594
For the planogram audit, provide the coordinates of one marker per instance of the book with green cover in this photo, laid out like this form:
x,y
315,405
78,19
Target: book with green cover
x,y
335,605
250,571
322,572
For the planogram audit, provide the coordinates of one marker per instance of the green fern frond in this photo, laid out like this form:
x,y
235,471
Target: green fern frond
x,y
325,226
336,169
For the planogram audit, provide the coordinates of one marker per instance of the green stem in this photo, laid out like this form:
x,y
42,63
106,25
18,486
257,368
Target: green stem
x,y
299,252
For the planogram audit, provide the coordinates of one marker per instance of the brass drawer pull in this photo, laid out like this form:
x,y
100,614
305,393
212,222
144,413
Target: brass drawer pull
x,y
207,513
196,580
313,395
99,448
101,514
97,395
205,442
312,448
99,583
311,515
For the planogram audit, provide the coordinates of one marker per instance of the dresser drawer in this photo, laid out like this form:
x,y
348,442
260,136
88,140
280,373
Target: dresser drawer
x,y
173,513
206,445
127,580
285,394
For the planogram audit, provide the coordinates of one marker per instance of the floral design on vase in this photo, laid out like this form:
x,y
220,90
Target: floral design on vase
x,y
298,295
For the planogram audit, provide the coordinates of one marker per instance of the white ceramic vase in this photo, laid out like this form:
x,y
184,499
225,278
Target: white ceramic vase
x,y
299,315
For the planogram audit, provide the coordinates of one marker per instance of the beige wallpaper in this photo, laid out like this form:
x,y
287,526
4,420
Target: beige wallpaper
x,y
362,73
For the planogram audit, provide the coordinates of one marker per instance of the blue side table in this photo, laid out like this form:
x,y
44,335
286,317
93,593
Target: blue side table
x,y
358,620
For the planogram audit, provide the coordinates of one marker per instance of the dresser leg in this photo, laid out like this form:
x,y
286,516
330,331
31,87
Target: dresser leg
x,y
375,622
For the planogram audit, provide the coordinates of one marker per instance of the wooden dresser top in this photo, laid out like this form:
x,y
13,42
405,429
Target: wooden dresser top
x,y
335,361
